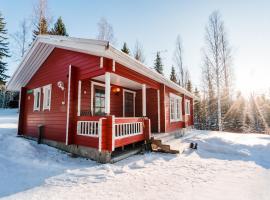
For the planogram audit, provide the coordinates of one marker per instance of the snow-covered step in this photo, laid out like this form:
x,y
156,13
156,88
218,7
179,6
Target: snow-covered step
x,y
166,137
169,142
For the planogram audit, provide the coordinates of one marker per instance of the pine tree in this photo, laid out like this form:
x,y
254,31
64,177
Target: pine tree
x,y
173,75
59,28
158,66
125,49
4,51
41,28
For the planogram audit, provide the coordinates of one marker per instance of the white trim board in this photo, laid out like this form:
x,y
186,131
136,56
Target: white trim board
x,y
93,83
79,97
68,103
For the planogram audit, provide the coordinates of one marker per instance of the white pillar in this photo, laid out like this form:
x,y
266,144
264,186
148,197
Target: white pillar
x,y
79,97
107,92
158,102
143,100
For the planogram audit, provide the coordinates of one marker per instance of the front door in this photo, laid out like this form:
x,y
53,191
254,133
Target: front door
x,y
129,104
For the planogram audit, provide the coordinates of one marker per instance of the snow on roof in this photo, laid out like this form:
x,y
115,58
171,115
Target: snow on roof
x,y
44,45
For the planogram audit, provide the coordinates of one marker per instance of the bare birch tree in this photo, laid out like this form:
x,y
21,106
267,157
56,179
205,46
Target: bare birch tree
x,y
105,31
183,72
40,18
21,40
138,52
178,58
40,10
217,56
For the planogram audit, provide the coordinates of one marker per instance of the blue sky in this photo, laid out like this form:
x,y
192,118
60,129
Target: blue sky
x,y
156,24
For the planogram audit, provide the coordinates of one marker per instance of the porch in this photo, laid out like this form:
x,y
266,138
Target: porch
x,y
109,111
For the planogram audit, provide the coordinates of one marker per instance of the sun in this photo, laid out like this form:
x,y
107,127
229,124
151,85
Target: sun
x,y
253,81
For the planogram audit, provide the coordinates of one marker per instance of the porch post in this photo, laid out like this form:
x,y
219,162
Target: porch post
x,y
158,102
79,98
143,100
107,92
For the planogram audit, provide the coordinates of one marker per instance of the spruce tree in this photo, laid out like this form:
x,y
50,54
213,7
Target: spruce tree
x,y
173,75
125,49
59,28
4,51
158,66
41,28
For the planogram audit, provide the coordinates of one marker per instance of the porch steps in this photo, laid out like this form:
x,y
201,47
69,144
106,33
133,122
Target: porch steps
x,y
168,142
158,146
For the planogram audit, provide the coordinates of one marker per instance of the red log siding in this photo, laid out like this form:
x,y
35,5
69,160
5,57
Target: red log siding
x,y
55,69
129,140
86,95
138,100
173,126
189,118
117,102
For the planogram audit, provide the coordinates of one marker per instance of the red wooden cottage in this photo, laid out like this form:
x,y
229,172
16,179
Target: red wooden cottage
x,y
93,99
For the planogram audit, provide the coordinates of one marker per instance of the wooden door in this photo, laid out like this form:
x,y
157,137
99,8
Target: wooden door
x,y
129,104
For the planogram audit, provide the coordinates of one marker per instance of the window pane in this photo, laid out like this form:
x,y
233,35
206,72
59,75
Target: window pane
x,y
99,101
37,100
172,108
102,102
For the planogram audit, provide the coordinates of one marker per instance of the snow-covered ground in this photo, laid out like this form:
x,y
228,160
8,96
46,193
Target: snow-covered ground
x,y
225,166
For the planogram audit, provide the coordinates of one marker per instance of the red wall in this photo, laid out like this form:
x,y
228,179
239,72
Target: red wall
x,y
55,69
173,126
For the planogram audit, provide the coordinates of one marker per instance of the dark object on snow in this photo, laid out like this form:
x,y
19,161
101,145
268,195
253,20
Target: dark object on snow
x,y
13,104
40,133
193,145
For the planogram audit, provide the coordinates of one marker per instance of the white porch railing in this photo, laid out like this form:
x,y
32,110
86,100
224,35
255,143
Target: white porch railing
x,y
88,128
128,129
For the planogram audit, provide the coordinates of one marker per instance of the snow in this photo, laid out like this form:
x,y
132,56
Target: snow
x,y
225,166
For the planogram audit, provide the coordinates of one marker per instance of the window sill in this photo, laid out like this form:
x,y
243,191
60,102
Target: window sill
x,y
175,120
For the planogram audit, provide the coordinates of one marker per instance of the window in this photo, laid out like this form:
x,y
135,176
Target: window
x,y
187,107
99,102
37,93
175,108
47,91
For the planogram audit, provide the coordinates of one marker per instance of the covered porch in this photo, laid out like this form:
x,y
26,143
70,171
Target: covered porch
x,y
110,111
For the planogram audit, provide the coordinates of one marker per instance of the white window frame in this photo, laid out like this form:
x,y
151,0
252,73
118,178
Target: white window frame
x,y
46,97
93,84
187,107
36,91
177,106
